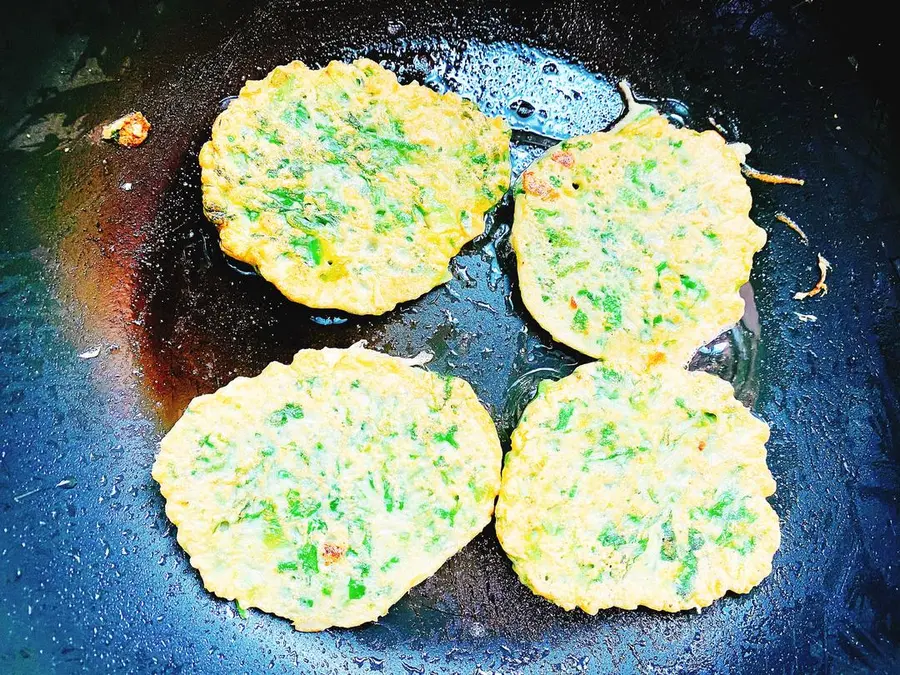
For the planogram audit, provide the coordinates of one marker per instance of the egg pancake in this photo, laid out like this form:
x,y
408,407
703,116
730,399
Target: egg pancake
x,y
632,244
347,190
625,489
323,490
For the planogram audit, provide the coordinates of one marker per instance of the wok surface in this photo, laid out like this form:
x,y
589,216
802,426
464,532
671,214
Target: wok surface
x,y
106,247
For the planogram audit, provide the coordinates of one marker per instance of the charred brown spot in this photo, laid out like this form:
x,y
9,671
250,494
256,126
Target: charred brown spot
x,y
129,131
701,446
572,303
535,186
563,157
331,553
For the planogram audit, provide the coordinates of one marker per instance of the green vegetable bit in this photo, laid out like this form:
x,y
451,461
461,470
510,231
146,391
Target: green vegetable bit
x,y
355,589
300,507
285,197
388,496
559,237
565,414
309,558
580,321
448,436
390,563
609,537
280,417
668,550
308,247
684,579
449,514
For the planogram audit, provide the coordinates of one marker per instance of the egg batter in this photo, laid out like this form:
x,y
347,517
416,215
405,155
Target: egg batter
x,y
632,244
624,489
347,190
323,490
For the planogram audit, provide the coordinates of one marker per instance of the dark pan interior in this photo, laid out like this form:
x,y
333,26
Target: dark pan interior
x,y
106,247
